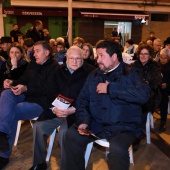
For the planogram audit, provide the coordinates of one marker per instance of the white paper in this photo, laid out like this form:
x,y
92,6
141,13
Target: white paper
x,y
61,104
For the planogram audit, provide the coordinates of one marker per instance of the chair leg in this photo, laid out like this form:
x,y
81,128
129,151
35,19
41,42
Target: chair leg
x,y
131,154
50,146
17,132
88,152
151,120
148,138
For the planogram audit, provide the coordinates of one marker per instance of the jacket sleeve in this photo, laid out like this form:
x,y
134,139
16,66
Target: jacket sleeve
x,y
138,91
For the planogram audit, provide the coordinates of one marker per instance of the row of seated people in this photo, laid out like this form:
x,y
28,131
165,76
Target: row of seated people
x,y
44,79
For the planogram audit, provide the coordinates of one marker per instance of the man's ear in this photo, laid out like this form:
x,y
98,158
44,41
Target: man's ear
x,y
114,57
47,52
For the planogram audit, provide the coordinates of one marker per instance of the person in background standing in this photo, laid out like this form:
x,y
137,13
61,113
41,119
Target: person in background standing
x,y
14,33
114,32
36,32
151,36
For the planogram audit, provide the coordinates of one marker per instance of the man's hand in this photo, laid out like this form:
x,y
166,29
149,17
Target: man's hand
x,y
102,88
82,129
19,89
64,112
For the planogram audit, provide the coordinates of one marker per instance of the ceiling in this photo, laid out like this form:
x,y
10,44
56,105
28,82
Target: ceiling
x,y
145,6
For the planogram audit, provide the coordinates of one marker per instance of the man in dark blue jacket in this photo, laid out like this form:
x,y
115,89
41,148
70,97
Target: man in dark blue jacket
x,y
109,105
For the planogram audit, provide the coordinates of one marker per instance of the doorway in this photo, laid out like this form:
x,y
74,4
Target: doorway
x,y
123,28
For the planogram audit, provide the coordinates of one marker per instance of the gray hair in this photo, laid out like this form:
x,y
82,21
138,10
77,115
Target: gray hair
x,y
165,51
75,48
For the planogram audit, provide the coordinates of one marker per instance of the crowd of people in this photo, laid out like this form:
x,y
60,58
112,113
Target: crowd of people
x,y
107,89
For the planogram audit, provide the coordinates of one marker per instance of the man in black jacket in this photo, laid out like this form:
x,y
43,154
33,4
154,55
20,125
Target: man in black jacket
x,y
25,98
36,32
70,78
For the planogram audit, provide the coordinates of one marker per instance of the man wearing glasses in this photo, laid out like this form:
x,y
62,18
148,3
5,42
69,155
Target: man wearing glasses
x,y
70,78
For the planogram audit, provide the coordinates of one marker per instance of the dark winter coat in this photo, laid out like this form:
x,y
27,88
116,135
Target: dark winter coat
x,y
120,109
68,85
151,72
39,81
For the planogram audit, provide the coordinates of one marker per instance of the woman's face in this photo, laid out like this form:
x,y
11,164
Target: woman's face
x,y
144,56
15,52
86,52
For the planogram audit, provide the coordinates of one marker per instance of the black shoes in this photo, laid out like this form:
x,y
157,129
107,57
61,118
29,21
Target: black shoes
x,y
3,162
4,145
39,167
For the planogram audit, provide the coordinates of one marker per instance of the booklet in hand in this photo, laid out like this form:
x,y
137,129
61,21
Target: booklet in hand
x,y
62,102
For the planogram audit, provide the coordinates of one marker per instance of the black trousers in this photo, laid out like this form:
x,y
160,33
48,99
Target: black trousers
x,y
164,106
118,157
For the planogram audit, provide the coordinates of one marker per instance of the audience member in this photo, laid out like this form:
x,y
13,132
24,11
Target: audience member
x,y
131,48
151,72
69,78
52,44
151,36
157,46
60,55
26,98
167,43
78,41
165,87
5,44
36,32
149,42
88,55
109,105
21,38
15,65
28,45
14,33
60,39
47,36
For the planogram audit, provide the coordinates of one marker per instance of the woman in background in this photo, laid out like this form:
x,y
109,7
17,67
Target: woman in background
x,y
15,66
88,55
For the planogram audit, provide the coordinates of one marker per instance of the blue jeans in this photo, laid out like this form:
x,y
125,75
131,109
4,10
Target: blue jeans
x,y
12,109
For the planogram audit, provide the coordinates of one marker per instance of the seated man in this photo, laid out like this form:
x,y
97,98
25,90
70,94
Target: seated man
x,y
109,105
25,98
69,78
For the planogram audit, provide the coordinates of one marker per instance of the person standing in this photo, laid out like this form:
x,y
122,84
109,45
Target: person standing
x,y
109,105
14,33
36,32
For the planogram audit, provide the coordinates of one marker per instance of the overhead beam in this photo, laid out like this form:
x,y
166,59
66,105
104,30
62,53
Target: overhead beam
x,y
93,5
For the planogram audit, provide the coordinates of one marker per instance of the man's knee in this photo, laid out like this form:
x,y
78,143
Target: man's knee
x,y
6,93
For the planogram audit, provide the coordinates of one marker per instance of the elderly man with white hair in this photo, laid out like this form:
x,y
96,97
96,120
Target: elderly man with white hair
x,y
70,78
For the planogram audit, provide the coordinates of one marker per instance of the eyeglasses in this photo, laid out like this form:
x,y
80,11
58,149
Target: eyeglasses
x,y
78,59
145,54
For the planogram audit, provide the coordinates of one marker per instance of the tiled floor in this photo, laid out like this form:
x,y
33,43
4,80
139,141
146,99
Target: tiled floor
x,y
154,156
